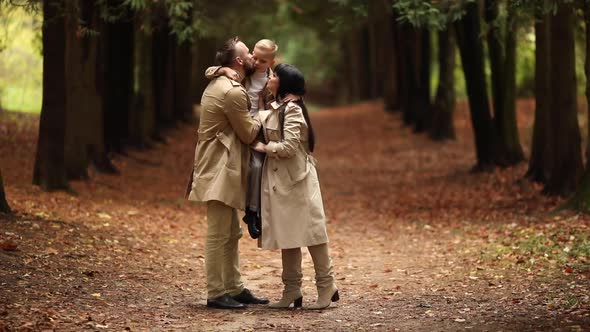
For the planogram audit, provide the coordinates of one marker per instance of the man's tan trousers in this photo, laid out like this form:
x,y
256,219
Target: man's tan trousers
x,y
222,263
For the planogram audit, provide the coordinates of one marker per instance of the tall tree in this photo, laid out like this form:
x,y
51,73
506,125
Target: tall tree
x,y
118,77
542,145
50,172
444,103
84,119
423,56
581,199
501,37
183,86
468,30
4,207
566,168
382,22
163,68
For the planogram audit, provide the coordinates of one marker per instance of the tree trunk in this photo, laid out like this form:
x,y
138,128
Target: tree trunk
x,y
50,172
365,65
84,124
423,113
163,65
385,70
118,82
581,199
444,104
410,52
183,105
503,67
587,72
142,115
511,151
4,207
374,50
204,56
567,167
471,49
542,148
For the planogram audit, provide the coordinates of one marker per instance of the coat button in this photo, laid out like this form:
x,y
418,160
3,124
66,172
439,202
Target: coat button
x,y
275,169
274,188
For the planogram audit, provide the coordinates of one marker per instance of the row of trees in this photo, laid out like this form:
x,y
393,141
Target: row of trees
x,y
394,43
116,72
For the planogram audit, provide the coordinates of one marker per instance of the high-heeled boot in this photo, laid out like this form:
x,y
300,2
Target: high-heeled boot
x,y
324,279
291,278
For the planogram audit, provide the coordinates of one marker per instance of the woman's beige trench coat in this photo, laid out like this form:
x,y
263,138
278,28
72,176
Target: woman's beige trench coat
x,y
291,201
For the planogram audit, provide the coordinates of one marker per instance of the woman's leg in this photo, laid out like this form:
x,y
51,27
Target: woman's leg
x,y
292,276
324,278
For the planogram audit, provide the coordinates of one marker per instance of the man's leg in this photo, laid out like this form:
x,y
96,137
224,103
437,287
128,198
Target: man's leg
x,y
219,232
232,278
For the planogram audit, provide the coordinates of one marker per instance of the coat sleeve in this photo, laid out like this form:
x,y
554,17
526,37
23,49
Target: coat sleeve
x,y
211,72
294,121
236,110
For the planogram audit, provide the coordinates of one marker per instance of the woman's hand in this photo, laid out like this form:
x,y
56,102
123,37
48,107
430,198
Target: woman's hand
x,y
229,73
291,97
260,147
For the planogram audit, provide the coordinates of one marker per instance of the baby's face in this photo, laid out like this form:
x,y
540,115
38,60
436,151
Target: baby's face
x,y
262,60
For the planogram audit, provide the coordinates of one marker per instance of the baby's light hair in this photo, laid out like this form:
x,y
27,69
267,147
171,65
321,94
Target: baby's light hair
x,y
267,46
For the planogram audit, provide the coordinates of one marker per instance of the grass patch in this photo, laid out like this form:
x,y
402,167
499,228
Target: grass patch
x,y
556,246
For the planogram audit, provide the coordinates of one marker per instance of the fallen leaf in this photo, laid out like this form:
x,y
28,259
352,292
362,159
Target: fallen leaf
x,y
8,246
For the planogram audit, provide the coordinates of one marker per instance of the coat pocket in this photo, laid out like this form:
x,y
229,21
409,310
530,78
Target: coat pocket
x,y
273,134
227,143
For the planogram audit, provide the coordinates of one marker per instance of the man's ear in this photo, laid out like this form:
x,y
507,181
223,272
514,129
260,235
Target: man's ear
x,y
239,61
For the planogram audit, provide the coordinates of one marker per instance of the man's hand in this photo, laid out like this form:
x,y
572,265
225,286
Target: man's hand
x,y
291,97
229,73
260,147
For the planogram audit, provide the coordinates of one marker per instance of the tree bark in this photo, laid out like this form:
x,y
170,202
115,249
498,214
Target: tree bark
x,y
374,50
4,207
385,70
410,52
118,80
511,150
542,145
503,67
142,115
49,171
442,127
468,30
566,168
163,65
587,73
85,118
204,56
183,105
423,112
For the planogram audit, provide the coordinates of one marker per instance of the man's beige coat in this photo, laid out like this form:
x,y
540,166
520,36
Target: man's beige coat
x,y
222,152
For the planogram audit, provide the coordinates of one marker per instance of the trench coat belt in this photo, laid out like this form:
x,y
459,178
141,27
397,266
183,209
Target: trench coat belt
x,y
208,135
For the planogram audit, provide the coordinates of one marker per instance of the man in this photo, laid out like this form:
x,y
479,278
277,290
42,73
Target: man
x,y
219,175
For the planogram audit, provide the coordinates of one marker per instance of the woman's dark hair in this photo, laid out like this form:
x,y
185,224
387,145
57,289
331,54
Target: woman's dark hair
x,y
291,80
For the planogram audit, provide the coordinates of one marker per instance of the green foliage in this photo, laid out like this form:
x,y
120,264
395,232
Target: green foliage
x,y
432,14
21,64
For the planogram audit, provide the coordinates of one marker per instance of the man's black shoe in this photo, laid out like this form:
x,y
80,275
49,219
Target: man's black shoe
x,y
247,297
224,302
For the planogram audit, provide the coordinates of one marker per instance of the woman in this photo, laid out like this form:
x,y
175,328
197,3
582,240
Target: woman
x,y
291,201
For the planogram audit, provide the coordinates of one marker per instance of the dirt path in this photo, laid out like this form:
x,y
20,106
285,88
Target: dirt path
x,y
419,243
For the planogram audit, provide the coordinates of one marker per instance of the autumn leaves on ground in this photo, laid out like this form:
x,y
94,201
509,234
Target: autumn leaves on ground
x,y
419,243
